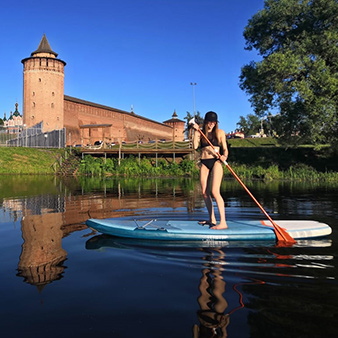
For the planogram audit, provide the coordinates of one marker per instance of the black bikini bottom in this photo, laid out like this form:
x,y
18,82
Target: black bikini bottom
x,y
209,162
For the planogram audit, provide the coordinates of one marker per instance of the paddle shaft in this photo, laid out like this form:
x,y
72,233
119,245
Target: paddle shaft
x,y
281,234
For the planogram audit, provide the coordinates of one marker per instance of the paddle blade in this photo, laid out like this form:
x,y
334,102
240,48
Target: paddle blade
x,y
283,237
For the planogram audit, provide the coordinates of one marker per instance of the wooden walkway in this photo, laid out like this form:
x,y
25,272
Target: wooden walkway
x,y
154,150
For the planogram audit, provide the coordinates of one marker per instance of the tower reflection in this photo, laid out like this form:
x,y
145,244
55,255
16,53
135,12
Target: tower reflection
x,y
42,256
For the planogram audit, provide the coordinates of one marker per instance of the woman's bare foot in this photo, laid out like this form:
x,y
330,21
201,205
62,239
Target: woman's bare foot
x,y
220,226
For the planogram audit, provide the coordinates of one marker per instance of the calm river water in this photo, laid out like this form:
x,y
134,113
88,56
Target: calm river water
x,y
60,279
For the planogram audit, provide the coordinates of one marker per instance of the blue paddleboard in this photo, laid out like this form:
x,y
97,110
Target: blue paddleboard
x,y
183,230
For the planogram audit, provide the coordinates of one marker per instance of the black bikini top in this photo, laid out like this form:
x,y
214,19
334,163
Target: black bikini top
x,y
214,142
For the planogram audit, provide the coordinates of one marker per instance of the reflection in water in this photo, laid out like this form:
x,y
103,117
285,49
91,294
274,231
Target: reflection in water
x,y
275,283
42,255
213,320
52,208
49,217
116,197
212,315
298,298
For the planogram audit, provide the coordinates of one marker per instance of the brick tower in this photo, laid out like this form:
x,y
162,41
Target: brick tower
x,y
43,88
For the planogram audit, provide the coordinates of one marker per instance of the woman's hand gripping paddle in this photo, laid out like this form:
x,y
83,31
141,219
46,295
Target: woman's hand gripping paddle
x,y
283,238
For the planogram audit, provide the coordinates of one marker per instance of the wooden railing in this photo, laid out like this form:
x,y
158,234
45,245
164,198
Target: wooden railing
x,y
161,145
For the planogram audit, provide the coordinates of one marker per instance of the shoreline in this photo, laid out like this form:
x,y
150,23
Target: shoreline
x,y
56,162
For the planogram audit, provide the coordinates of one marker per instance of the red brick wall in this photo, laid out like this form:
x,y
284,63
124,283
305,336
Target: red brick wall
x,y
178,129
125,126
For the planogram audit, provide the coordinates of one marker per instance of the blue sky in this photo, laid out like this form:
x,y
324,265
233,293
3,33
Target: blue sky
x,y
143,53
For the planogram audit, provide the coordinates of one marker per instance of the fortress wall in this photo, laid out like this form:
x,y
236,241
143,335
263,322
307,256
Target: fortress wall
x,y
125,126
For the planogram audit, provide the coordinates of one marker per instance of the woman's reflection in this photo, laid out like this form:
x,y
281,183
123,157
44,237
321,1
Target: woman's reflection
x,y
213,320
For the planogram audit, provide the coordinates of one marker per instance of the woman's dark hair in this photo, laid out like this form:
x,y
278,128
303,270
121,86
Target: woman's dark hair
x,y
214,133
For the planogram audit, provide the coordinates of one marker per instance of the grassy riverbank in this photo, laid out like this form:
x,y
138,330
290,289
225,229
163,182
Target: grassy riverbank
x,y
16,160
20,161
146,168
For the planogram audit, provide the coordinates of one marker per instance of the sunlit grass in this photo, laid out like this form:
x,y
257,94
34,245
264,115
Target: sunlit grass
x,y
253,142
19,160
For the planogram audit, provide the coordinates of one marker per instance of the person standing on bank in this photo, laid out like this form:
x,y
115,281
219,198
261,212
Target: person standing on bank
x,y
211,172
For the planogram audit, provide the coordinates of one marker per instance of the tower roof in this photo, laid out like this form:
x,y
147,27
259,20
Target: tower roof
x,y
16,113
44,47
174,119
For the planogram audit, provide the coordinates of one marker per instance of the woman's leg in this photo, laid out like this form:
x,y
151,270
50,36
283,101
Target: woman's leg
x,y
217,175
205,185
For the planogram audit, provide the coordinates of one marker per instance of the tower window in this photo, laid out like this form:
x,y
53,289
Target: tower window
x,y
53,94
52,105
33,104
33,93
39,79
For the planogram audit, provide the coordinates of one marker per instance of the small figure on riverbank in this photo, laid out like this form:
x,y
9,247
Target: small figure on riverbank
x,y
211,172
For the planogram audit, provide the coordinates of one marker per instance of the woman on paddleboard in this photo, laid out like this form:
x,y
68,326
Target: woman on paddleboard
x,y
211,172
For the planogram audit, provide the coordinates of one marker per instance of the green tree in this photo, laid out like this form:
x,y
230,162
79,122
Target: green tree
x,y
250,124
198,119
298,74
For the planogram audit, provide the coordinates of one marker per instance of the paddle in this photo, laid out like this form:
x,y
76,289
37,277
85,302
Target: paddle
x,y
281,234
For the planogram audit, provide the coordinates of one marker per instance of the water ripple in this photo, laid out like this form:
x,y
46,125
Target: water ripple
x,y
254,261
